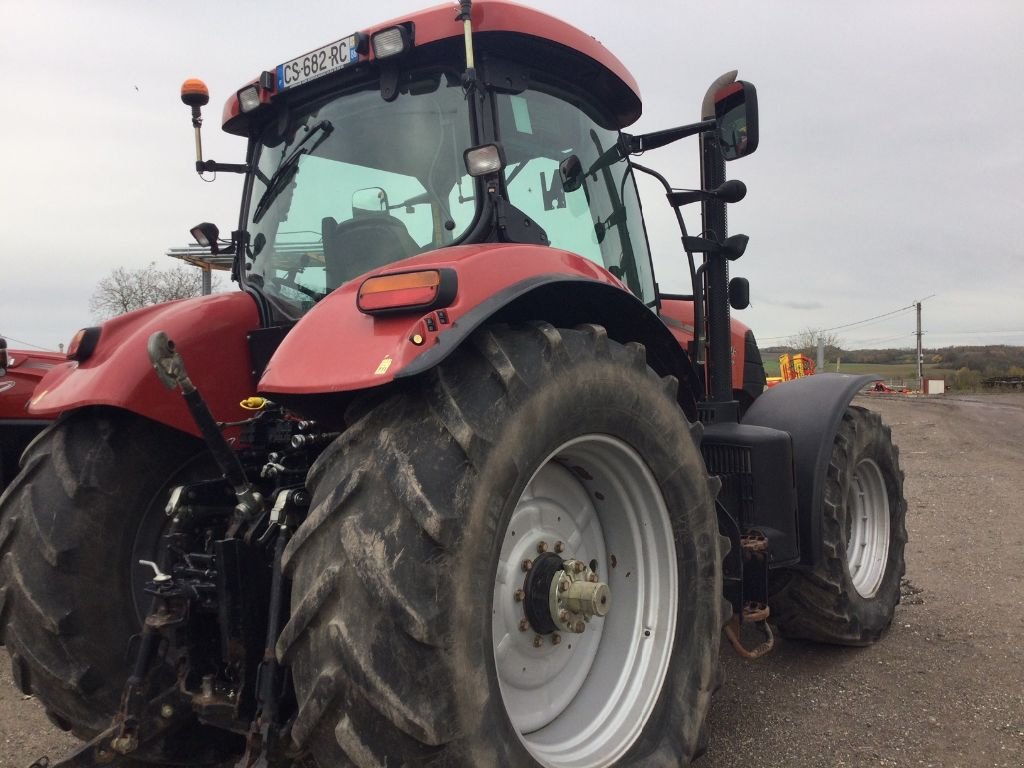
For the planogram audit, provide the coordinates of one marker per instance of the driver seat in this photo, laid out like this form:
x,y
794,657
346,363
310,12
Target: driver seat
x,y
358,245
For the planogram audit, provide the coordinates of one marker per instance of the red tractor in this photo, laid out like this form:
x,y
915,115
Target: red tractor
x,y
20,371
449,481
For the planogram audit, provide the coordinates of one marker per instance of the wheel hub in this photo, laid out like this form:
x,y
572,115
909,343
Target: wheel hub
x,y
562,594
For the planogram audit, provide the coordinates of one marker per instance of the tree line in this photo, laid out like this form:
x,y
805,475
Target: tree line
x,y
985,360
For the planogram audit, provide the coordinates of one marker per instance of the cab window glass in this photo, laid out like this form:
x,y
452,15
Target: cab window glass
x,y
562,172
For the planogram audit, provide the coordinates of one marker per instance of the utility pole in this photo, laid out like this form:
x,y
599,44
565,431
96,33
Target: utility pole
x,y
920,370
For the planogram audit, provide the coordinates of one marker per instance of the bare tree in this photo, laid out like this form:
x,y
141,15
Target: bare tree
x,y
807,342
124,290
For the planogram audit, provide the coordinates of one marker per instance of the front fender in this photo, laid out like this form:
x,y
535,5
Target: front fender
x,y
337,348
209,332
810,409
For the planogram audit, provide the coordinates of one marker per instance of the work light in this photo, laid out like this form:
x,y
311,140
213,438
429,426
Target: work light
x,y
249,98
390,42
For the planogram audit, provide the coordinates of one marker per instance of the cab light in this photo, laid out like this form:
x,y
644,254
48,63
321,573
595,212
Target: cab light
x,y
249,98
408,291
83,344
390,42
484,160
207,235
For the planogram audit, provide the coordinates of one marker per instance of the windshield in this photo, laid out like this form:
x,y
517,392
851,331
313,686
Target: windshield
x,y
355,183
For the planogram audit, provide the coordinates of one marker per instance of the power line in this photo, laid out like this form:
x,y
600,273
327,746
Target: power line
x,y
846,325
28,344
858,322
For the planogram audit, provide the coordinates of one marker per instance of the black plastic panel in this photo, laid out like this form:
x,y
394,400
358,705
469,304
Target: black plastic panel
x,y
758,486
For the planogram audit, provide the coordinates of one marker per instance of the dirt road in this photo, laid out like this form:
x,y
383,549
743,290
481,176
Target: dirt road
x,y
945,687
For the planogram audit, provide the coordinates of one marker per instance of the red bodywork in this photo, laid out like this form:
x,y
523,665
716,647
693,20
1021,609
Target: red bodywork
x,y
439,23
679,319
210,332
337,348
333,348
25,369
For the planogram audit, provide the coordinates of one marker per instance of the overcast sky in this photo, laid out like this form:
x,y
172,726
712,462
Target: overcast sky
x,y
889,166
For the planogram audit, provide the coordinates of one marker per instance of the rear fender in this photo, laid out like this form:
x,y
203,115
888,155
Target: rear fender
x,y
336,348
811,410
209,332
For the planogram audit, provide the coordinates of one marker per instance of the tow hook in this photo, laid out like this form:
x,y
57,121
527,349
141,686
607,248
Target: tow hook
x,y
757,615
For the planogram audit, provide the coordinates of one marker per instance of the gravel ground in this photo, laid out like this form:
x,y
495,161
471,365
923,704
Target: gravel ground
x,y
945,686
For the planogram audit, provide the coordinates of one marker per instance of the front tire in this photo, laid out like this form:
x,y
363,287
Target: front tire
x,y
405,640
851,596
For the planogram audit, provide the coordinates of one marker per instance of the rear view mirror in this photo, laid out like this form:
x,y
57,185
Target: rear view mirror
x,y
736,119
570,171
369,200
3,356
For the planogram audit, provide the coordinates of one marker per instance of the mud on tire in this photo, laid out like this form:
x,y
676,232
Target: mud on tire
x,y
850,598
397,572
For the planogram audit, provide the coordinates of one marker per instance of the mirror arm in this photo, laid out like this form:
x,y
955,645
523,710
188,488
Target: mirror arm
x,y
204,166
656,139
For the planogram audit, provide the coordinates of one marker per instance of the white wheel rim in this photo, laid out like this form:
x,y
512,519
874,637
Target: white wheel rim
x,y
867,504
583,702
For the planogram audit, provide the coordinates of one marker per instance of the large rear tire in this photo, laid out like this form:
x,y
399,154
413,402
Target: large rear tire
x,y
407,642
851,596
86,507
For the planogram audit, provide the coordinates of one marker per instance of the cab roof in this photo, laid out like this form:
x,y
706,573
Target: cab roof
x,y
499,16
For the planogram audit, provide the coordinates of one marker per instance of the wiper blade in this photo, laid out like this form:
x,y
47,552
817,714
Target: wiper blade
x,y
288,167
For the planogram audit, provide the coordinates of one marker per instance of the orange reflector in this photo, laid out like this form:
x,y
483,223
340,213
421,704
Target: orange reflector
x,y
406,290
83,344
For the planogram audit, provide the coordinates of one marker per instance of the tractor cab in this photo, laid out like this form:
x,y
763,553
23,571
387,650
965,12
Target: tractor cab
x,y
395,141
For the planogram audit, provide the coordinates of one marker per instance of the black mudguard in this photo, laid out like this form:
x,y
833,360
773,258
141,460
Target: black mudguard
x,y
810,409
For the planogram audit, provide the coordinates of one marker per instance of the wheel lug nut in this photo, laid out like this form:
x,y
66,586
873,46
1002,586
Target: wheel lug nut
x,y
559,547
592,578
527,564
542,547
580,627
578,566
563,586
556,639
520,595
563,616
538,641
524,624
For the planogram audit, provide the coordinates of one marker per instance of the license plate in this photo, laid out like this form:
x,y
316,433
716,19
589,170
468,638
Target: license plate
x,y
317,63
